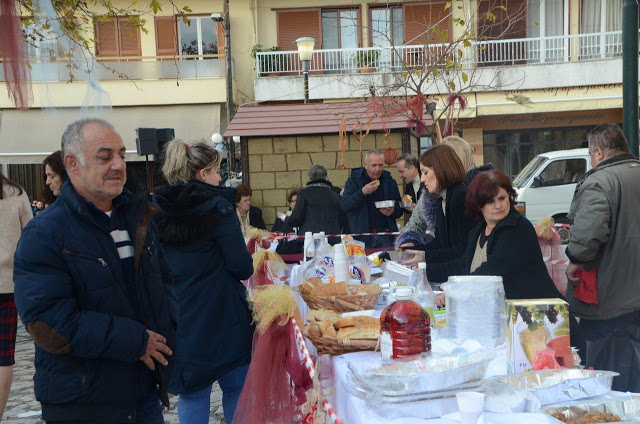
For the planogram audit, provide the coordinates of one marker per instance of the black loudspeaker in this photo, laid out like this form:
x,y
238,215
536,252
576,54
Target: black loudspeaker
x,y
146,141
164,135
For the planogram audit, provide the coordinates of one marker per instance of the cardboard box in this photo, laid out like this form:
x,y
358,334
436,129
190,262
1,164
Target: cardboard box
x,y
537,324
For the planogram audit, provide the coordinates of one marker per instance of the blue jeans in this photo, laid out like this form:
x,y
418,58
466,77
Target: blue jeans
x,y
193,408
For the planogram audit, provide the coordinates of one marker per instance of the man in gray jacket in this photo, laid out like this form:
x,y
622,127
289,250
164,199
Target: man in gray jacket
x,y
606,235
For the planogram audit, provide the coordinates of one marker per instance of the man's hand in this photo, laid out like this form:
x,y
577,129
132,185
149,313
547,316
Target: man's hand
x,y
371,187
571,271
410,208
386,211
440,300
156,349
418,256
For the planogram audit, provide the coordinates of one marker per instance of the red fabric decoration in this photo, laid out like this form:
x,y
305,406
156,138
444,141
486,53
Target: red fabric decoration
x,y
275,364
587,290
14,56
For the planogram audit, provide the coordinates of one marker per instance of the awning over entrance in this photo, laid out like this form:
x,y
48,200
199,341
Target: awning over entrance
x,y
317,118
28,137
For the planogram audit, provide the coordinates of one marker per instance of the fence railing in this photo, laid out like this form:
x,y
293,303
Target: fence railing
x,y
480,53
132,67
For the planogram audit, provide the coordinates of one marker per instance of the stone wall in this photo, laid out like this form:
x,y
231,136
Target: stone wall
x,y
279,164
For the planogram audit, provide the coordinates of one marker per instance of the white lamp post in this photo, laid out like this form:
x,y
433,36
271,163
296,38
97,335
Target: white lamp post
x,y
305,51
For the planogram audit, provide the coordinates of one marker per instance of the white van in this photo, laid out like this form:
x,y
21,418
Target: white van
x,y
546,185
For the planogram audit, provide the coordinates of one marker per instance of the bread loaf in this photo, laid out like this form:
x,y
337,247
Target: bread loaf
x,y
321,315
359,332
313,330
308,285
331,289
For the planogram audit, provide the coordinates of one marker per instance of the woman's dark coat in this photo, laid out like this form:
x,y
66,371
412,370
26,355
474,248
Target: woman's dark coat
x,y
201,236
317,209
452,229
513,252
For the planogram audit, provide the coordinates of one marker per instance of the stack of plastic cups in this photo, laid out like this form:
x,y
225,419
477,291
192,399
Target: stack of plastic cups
x,y
340,264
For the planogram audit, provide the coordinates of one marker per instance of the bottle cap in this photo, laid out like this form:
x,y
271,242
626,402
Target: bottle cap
x,y
317,236
308,234
404,293
422,265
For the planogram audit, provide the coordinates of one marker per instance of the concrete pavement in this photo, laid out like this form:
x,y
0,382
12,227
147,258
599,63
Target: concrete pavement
x,y
22,407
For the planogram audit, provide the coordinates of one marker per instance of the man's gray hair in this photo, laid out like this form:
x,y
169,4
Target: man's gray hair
x,y
609,138
73,137
318,172
409,160
372,152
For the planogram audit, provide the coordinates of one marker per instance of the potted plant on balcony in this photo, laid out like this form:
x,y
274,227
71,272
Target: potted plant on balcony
x,y
269,64
367,61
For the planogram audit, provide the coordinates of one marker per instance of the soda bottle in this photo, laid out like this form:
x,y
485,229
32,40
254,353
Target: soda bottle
x,y
404,327
423,295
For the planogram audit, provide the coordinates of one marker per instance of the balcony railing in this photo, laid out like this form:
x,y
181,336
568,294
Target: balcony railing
x,y
562,48
135,68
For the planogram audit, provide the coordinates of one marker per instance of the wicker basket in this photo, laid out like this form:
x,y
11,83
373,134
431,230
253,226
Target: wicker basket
x,y
345,303
335,346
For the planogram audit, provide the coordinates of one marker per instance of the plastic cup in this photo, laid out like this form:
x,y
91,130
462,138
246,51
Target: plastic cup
x,y
470,405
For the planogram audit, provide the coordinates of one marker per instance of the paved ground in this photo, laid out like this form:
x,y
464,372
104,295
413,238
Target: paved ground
x,y
22,407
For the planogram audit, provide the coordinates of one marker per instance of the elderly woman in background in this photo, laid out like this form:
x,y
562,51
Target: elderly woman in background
x,y
318,205
249,216
419,229
282,224
55,175
443,176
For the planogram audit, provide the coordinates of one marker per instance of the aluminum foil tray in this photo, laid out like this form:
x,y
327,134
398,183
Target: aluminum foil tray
x,y
368,394
553,386
385,204
627,408
422,376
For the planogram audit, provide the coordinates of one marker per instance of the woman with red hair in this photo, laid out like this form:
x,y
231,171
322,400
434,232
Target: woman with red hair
x,y
503,242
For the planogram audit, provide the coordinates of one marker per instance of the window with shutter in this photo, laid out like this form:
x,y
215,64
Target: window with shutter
x,y
510,19
166,36
298,23
421,19
129,38
107,38
117,38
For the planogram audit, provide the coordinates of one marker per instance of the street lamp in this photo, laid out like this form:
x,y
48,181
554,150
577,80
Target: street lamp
x,y
305,51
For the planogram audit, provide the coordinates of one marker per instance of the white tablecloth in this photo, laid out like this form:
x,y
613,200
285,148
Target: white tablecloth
x,y
353,410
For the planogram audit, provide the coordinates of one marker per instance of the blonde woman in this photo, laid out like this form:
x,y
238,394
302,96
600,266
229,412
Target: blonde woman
x,y
203,243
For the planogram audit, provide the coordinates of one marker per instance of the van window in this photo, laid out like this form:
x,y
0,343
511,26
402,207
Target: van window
x,y
567,171
523,177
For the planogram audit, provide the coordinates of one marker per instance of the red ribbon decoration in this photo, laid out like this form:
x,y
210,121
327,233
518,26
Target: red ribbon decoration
x,y
14,56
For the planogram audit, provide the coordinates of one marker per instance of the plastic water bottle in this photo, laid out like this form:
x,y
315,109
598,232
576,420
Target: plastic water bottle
x,y
308,240
404,327
423,294
317,248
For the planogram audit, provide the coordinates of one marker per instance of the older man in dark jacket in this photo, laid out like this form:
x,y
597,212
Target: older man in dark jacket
x,y
605,240
363,189
94,291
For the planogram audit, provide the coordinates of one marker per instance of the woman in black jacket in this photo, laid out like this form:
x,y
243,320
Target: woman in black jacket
x,y
443,176
282,225
503,243
318,205
201,237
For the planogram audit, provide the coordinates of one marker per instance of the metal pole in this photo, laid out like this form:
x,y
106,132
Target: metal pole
x,y
630,73
306,64
229,77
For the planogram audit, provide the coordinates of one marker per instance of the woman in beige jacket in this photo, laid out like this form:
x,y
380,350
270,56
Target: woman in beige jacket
x,y
15,212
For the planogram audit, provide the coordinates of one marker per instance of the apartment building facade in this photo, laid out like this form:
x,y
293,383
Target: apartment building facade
x,y
562,56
